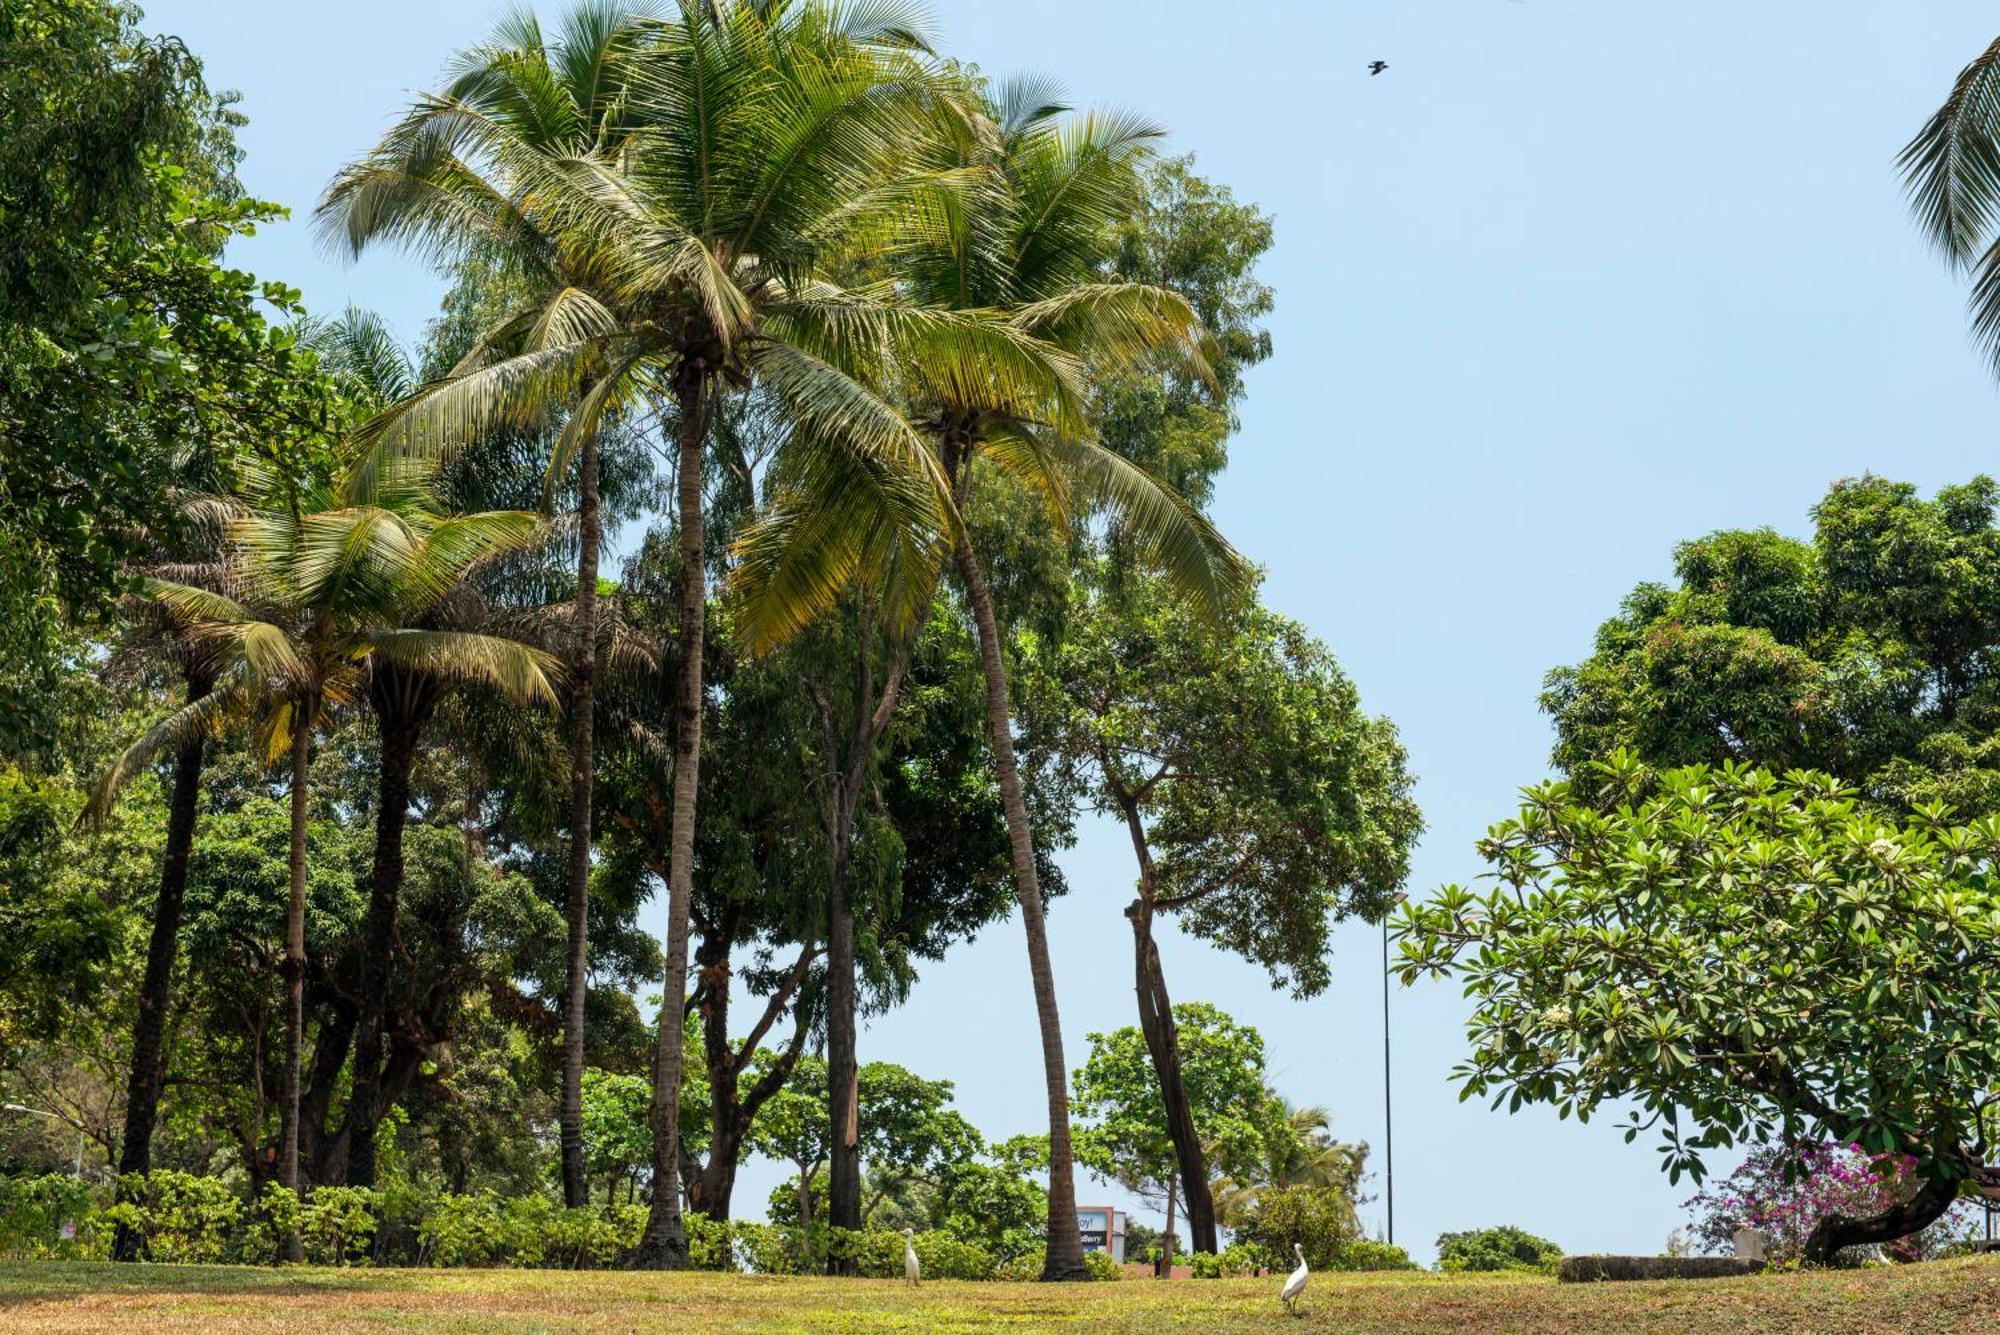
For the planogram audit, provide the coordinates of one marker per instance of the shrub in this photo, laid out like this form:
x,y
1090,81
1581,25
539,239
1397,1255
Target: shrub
x,y
1101,1266
1314,1218
1501,1248
33,1211
1369,1254
334,1222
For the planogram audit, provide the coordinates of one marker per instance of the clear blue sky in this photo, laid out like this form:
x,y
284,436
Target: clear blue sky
x,y
1569,283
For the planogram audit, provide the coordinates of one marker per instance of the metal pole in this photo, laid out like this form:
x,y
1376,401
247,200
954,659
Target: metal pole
x,y
1388,1118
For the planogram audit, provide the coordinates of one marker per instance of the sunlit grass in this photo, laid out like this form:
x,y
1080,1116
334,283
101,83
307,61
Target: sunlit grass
x,y
1947,1296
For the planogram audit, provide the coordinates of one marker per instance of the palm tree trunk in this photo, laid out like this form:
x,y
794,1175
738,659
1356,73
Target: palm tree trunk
x,y
664,1245
1167,1239
294,967
842,1058
401,705
142,1087
1065,1247
583,688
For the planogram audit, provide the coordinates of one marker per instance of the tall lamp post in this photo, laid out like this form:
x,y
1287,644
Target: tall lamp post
x,y
1388,1109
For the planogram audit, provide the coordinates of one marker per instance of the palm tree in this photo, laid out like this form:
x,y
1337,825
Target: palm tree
x,y
324,597
452,178
1011,228
402,691
1952,172
749,138
1299,1151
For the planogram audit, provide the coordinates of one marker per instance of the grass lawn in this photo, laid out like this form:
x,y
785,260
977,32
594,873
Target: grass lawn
x,y
1947,1296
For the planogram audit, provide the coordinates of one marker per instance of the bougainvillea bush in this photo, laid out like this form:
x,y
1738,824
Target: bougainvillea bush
x,y
1786,1192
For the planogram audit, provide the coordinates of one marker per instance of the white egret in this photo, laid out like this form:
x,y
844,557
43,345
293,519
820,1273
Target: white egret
x,y
911,1270
1296,1285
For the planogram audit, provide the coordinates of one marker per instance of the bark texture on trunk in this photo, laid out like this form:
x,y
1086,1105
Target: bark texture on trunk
x,y
843,1063
1836,1231
1065,1245
148,1073
403,701
664,1244
849,763
1163,1043
583,703
294,966
732,1109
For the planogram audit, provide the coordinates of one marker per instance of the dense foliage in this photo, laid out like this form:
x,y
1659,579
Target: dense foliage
x,y
1739,957
1867,652
1500,1248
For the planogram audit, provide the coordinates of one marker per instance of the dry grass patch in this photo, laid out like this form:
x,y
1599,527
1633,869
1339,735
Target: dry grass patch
x,y
1949,1296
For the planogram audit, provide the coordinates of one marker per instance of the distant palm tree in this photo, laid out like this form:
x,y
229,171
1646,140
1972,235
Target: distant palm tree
x,y
749,137
322,595
1011,229
1301,1152
1952,171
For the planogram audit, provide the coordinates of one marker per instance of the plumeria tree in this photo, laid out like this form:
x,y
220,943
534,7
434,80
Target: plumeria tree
x,y
1737,957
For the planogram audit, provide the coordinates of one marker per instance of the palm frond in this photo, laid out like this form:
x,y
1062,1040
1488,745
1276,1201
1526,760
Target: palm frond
x,y
1951,169
517,671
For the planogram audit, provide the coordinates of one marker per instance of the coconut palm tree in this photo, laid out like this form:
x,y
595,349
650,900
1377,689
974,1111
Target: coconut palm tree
x,y
750,138
1952,172
1011,227
402,692
323,597
454,177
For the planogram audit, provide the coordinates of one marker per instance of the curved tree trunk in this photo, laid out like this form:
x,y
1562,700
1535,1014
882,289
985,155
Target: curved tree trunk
x,y
583,703
142,1086
294,966
1163,1042
402,703
664,1245
1065,1245
1838,1231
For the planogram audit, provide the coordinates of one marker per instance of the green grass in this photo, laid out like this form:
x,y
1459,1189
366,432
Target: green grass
x,y
1950,1296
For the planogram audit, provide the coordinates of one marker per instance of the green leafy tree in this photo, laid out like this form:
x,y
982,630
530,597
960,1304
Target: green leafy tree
x,y
132,362
328,595
1261,803
616,1129
1866,653
1737,957
1129,1139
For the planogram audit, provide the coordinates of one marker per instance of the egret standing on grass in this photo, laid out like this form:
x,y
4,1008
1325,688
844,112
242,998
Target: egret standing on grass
x,y
1296,1285
911,1270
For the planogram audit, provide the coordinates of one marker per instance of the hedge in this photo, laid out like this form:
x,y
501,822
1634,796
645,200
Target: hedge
x,y
184,1218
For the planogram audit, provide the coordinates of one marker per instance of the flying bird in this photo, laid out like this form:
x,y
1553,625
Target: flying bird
x,y
1375,67
911,1270
1296,1285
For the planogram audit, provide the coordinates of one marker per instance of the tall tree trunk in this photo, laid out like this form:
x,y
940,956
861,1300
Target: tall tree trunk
x,y
849,764
294,968
142,1086
1065,1247
583,697
402,703
1162,1033
1167,1239
664,1244
842,1058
